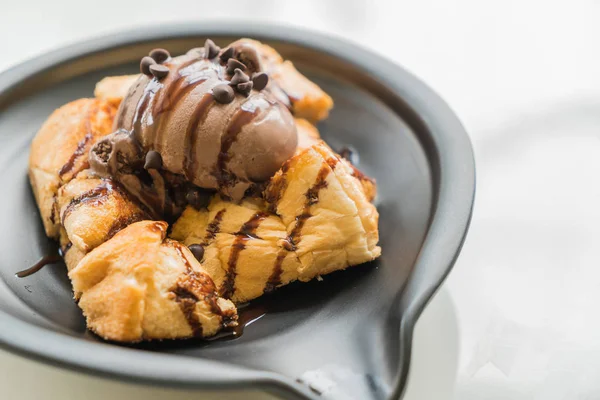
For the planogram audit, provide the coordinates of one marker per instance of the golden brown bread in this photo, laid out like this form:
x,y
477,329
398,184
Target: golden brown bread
x,y
59,151
140,285
319,221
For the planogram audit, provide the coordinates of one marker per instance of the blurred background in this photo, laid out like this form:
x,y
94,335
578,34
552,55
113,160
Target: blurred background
x,y
517,317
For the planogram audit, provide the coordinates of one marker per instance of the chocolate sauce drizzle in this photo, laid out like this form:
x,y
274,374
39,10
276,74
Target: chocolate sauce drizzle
x,y
312,197
168,97
180,86
172,94
149,92
79,151
123,221
191,283
53,210
200,113
292,240
275,277
187,303
213,227
277,187
238,121
95,196
246,232
192,287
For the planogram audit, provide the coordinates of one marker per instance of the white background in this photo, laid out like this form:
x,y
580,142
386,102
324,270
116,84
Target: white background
x,y
517,319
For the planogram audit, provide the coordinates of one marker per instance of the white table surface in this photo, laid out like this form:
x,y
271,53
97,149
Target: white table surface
x,y
516,319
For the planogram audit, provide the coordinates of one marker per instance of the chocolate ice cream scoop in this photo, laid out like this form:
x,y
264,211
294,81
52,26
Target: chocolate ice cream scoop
x,y
207,121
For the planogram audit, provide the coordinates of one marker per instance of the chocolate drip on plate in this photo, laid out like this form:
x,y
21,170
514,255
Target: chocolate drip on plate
x,y
247,315
46,260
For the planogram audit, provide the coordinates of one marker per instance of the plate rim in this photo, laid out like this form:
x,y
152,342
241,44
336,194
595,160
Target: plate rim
x,y
449,152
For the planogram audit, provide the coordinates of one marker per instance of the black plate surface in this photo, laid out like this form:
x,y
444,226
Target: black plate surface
x,y
349,335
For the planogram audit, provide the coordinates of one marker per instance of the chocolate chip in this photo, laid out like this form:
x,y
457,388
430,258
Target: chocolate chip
x,y
198,251
197,198
145,65
245,87
153,160
159,71
160,55
227,54
260,80
211,50
223,93
233,64
239,77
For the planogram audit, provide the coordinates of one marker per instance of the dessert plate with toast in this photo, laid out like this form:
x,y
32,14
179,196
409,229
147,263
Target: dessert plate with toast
x,y
227,206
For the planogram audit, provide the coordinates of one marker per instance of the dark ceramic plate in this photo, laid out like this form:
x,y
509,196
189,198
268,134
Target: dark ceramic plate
x,y
347,336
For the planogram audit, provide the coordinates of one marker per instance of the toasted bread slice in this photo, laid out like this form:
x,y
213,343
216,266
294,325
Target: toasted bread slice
x,y
330,222
318,220
139,285
243,244
59,151
94,210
